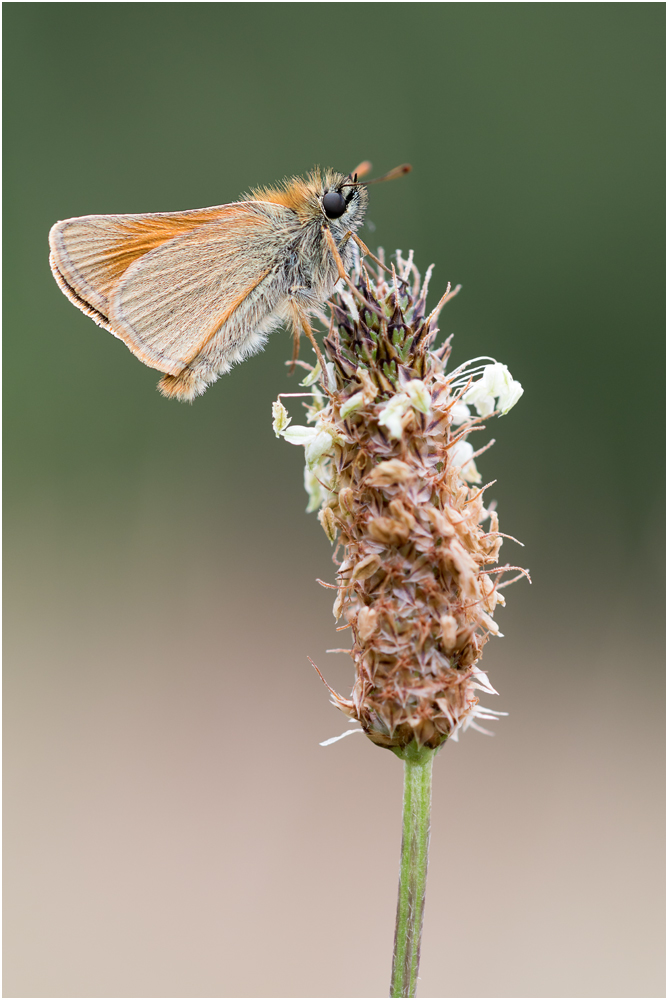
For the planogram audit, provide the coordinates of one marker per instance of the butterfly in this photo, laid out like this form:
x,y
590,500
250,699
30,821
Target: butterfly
x,y
192,293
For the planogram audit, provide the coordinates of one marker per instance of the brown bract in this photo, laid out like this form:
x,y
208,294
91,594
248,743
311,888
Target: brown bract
x,y
417,552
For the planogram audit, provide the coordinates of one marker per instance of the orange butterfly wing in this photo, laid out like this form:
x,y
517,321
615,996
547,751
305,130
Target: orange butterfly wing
x,y
89,254
166,283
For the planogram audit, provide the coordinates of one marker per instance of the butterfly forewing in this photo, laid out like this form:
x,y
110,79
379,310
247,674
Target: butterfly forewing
x,y
192,293
92,252
166,284
171,303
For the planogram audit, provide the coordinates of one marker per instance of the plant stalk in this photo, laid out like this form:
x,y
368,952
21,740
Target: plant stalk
x,y
418,764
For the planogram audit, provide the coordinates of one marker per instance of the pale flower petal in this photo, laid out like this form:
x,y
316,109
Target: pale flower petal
x,y
312,376
331,377
317,404
314,489
460,455
496,383
317,447
350,302
498,377
481,394
280,417
460,413
482,681
352,403
392,414
491,624
508,399
419,396
298,434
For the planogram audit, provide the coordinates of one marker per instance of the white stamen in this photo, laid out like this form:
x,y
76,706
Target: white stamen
x,y
467,364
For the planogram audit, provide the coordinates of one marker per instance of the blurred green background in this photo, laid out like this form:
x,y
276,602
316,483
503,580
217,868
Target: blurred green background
x,y
172,826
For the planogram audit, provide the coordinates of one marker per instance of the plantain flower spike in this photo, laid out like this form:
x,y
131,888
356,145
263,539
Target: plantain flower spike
x,y
392,474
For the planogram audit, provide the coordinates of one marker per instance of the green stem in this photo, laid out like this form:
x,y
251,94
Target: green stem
x,y
413,870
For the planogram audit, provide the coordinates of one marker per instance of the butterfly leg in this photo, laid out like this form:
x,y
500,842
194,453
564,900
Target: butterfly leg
x,y
367,253
296,335
300,322
342,271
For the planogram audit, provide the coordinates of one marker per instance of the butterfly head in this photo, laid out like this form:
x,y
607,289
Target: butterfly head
x,y
343,199
324,197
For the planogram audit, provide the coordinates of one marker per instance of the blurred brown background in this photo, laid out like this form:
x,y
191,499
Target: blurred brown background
x,y
172,827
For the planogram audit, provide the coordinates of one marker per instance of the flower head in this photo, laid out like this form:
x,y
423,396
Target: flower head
x,y
391,471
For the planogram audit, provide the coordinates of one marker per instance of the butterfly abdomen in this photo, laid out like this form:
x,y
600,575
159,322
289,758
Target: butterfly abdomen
x,y
184,387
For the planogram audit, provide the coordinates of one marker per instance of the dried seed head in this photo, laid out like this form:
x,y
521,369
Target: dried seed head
x,y
328,522
390,466
449,632
366,567
346,500
391,473
367,621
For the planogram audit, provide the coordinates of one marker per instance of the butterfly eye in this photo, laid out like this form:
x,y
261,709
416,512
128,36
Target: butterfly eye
x,y
334,204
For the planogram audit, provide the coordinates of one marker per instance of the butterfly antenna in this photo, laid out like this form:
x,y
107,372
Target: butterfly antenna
x,y
362,169
391,175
